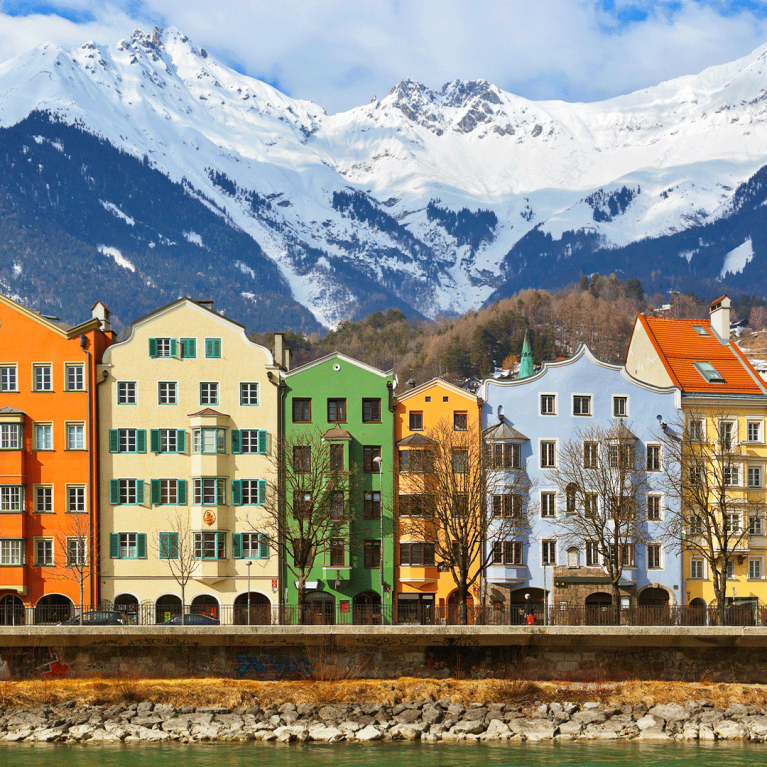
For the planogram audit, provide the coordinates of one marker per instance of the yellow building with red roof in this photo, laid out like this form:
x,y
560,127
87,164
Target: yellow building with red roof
x,y
721,394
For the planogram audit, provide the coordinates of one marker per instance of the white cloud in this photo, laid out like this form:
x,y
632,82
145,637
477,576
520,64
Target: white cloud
x,y
339,53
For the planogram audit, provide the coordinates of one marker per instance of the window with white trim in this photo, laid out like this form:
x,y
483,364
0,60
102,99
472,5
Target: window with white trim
x,y
167,393
592,554
77,552
549,552
8,378
754,569
43,499
11,498
653,508
76,499
208,393
43,552
209,491
11,551
654,556
548,404
10,436
697,569
581,404
75,436
43,436
756,525
548,504
620,406
653,458
754,476
75,377
754,431
126,392
210,545
43,378
548,454
248,393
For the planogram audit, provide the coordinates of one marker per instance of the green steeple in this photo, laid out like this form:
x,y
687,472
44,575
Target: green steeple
x,y
526,363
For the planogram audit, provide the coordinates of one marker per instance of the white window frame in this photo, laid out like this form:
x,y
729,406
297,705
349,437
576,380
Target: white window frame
x,y
81,491
593,556
71,367
245,401
49,427
130,390
697,569
732,422
615,399
549,546
660,564
552,496
11,436
5,375
205,400
695,434
12,551
655,446
541,443
659,498
171,388
579,396
759,563
11,499
49,557
164,438
732,474
164,347
39,384
128,545
760,476
759,424
70,431
48,497
554,403
80,550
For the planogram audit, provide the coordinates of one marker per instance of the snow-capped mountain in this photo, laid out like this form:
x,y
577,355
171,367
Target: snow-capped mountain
x,y
166,172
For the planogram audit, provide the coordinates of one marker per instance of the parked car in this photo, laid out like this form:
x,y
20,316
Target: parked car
x,y
97,618
195,619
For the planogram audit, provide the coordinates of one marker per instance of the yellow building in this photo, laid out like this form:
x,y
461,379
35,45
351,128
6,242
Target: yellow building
x,y
188,411
434,415
724,401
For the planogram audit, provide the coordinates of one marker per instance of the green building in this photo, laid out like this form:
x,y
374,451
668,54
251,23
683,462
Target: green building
x,y
338,421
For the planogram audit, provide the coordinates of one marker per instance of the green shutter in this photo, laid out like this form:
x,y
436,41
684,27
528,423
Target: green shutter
x,y
173,545
236,545
155,491
236,441
114,491
213,348
236,492
180,441
114,441
261,492
141,545
173,347
181,492
114,545
188,348
141,440
139,491
263,546
152,347
154,440
262,441
192,347
165,546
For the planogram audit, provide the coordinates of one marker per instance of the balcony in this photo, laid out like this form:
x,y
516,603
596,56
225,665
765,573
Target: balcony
x,y
419,576
13,578
211,570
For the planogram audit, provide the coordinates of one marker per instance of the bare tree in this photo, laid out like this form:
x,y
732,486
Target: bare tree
x,y
73,538
715,512
176,547
309,501
602,474
454,495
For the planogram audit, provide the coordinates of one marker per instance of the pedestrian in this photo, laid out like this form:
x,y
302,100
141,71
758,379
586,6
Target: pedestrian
x,y
529,614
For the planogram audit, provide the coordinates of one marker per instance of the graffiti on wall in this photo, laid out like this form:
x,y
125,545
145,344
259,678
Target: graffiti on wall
x,y
269,666
53,667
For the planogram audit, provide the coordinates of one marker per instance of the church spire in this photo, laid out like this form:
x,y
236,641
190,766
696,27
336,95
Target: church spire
x,y
526,363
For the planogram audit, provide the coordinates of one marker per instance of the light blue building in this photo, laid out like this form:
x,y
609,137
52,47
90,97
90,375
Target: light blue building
x,y
549,416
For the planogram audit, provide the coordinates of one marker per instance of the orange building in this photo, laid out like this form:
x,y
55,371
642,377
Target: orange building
x,y
48,462
434,415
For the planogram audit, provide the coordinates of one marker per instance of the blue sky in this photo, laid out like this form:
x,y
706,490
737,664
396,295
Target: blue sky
x,y
341,53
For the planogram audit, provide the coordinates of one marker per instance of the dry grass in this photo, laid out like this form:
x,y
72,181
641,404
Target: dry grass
x,y
233,694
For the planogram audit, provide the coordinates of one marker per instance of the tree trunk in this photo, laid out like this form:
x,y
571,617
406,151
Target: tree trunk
x,y
301,595
616,601
462,591
183,605
720,593
81,600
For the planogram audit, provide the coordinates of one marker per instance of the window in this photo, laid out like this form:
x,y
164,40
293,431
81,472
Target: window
x,y
75,436
731,475
461,505
303,505
592,554
43,499
336,411
548,504
43,436
369,454
695,525
626,551
754,568
302,459
127,441
126,492
621,456
726,431
10,436
337,457
76,499
416,554
208,393
168,546
653,457
43,552
75,378
77,552
732,522
8,378
11,498
416,505
653,556
168,492
249,441
213,348
210,545
548,455
581,405
43,378
126,392
697,568
730,570
11,551
127,545
754,476
548,552
371,411
460,421
188,348
166,393
571,494
302,410
163,347
653,508
372,505
338,505
709,372
167,440
621,507
415,421
208,440
372,554
507,553
460,460
336,553
756,526
508,505
754,431
248,393
506,455
416,461
696,430
248,492
590,455
548,404
251,546
695,475
620,407
590,505
209,491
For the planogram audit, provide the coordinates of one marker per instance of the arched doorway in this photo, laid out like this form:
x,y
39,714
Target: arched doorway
x,y
366,608
454,609
517,604
320,608
166,607
260,610
599,610
697,612
54,608
653,607
206,605
127,604
12,611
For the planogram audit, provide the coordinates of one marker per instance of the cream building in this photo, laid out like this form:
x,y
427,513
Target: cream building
x,y
188,412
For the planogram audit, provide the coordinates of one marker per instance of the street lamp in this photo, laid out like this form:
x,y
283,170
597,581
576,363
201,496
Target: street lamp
x,y
379,461
248,564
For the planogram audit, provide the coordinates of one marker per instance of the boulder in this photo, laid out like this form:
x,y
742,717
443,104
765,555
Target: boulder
x,y
368,733
324,734
729,729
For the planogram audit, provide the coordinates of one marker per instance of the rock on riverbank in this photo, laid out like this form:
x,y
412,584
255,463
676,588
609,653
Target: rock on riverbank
x,y
428,720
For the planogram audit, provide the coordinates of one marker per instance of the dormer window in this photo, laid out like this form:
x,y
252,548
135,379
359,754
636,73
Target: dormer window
x,y
709,372
700,330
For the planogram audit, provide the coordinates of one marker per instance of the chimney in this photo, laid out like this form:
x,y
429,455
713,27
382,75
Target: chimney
x,y
283,356
101,313
720,317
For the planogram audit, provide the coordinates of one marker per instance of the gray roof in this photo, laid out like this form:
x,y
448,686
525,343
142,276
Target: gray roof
x,y
417,440
503,432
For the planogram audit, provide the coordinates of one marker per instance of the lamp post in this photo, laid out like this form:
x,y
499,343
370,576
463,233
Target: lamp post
x,y
379,461
248,564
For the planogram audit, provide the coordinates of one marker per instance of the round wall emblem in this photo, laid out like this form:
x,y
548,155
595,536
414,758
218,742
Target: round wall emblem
x,y
209,517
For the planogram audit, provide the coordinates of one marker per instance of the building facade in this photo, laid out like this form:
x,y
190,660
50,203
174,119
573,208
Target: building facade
x,y
188,412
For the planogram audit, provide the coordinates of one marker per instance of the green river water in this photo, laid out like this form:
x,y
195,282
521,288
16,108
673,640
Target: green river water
x,y
577,754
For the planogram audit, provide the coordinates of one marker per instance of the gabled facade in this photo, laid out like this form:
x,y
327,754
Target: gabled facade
x,y
349,405
48,462
540,417
188,413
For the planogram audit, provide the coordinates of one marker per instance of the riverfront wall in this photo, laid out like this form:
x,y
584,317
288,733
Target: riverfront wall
x,y
590,654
